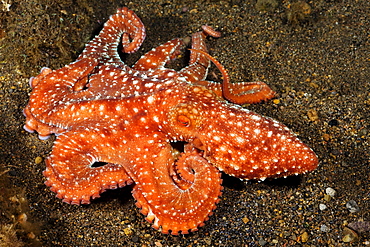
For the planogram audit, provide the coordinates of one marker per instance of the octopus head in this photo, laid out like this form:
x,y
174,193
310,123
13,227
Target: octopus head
x,y
238,141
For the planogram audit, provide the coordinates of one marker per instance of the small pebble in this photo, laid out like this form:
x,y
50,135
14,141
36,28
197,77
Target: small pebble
x,y
31,235
245,220
135,239
330,191
312,115
324,228
128,231
326,137
352,206
158,243
322,206
304,237
349,235
360,226
208,241
262,242
22,218
38,160
327,198
333,122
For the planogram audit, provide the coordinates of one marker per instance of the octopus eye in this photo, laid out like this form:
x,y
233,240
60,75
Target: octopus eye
x,y
183,120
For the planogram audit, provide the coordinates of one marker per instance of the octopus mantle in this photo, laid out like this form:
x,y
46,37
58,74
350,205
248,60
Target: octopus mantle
x,y
115,125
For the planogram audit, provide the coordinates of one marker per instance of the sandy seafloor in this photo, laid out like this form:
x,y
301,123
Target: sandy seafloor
x,y
315,56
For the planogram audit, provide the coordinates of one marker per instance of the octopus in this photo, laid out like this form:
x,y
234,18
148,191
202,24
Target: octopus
x,y
169,134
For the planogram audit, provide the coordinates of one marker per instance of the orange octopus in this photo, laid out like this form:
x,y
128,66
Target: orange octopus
x,y
116,124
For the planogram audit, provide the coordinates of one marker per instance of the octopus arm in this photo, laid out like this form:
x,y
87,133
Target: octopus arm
x,y
247,92
70,170
177,197
158,57
124,25
238,93
43,99
199,63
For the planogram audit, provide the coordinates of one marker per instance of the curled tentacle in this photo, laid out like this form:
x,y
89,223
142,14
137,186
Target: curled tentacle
x,y
180,202
124,24
70,170
182,173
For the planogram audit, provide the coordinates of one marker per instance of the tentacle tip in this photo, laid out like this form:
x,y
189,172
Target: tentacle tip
x,y
210,31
